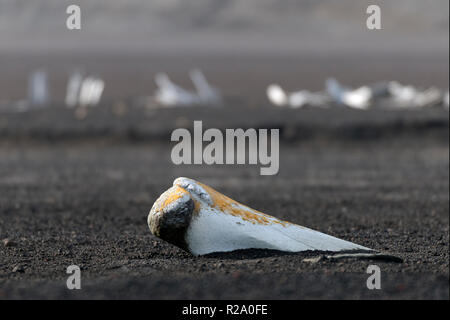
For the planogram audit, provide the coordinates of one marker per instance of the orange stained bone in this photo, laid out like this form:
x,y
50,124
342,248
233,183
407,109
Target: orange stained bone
x,y
170,196
230,206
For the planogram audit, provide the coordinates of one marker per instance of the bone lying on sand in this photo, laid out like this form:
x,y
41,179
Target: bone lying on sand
x,y
389,95
201,220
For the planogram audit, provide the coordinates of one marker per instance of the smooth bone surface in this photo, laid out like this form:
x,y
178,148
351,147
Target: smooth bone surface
x,y
201,220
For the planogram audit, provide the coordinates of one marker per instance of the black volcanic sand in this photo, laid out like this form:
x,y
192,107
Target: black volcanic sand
x,y
78,192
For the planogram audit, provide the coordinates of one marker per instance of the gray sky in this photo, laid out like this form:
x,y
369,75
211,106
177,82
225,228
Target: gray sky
x,y
224,26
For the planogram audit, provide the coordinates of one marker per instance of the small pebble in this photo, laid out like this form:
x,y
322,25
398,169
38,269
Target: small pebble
x,y
8,242
18,269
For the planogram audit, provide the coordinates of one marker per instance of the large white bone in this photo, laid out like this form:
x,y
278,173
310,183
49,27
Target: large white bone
x,y
206,93
353,98
411,97
201,220
73,89
91,91
171,95
298,99
38,89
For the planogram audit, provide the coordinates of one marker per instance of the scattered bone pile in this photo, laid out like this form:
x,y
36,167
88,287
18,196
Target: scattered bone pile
x,y
86,91
82,92
389,95
169,94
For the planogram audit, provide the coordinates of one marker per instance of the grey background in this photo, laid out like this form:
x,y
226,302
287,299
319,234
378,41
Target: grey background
x,y
224,26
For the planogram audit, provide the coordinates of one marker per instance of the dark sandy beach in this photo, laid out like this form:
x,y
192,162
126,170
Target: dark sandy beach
x,y
78,192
